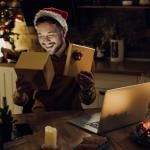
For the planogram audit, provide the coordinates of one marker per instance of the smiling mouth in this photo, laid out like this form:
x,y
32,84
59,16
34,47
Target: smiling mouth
x,y
49,46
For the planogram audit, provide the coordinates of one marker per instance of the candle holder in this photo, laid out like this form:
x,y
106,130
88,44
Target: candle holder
x,y
141,135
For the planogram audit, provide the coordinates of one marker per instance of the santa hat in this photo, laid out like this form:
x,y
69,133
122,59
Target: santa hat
x,y
59,15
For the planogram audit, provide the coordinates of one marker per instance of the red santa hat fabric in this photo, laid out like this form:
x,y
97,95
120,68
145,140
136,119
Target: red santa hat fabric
x,y
57,14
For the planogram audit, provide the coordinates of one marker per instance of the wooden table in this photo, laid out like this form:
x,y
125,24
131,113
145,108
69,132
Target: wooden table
x,y
69,135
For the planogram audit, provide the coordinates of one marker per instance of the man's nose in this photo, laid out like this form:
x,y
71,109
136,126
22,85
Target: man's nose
x,y
45,38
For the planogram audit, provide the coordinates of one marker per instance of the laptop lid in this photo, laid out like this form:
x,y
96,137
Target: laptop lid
x,y
124,106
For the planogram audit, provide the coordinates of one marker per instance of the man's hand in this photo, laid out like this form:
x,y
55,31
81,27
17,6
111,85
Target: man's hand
x,y
85,80
20,96
23,86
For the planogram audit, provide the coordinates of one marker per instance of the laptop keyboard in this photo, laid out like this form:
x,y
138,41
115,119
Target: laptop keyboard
x,y
82,120
87,121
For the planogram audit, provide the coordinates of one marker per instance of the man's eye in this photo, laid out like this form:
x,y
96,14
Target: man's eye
x,y
51,35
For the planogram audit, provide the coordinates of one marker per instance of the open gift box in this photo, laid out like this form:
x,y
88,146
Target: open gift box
x,y
79,58
36,68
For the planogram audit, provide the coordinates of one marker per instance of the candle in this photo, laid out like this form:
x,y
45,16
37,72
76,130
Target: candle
x,y
50,137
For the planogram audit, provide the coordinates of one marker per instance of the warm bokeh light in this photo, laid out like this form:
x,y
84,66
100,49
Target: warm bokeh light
x,y
146,125
4,44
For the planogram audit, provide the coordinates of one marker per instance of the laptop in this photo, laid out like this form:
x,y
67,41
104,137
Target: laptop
x,y
121,107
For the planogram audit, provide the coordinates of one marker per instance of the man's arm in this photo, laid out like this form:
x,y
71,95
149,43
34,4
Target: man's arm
x,y
87,86
23,96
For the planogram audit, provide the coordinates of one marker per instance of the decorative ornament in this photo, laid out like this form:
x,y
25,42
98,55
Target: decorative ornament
x,y
2,4
76,55
142,134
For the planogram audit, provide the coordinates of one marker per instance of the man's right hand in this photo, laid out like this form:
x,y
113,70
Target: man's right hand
x,y
20,96
23,86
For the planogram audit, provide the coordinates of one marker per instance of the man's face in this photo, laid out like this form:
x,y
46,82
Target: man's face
x,y
50,37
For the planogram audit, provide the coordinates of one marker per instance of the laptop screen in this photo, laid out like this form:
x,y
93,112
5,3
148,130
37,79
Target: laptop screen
x,y
124,106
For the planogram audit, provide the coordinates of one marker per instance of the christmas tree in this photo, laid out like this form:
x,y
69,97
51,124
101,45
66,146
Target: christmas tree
x,y
9,11
6,122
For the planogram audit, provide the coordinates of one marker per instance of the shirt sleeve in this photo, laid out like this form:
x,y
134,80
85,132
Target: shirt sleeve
x,y
87,96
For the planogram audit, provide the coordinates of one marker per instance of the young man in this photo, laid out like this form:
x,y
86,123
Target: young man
x,y
66,93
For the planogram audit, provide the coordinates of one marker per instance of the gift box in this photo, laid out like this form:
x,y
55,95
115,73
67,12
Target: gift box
x,y
79,58
36,68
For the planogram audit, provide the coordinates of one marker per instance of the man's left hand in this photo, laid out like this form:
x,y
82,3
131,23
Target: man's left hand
x,y
85,80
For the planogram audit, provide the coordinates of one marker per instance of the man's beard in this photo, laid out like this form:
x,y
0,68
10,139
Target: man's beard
x,y
54,49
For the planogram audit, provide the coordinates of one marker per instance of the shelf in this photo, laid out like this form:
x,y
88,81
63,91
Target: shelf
x,y
113,7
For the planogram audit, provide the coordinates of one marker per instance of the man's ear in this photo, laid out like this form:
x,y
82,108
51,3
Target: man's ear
x,y
64,32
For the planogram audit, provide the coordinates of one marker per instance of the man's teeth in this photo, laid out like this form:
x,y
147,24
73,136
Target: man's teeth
x,y
49,46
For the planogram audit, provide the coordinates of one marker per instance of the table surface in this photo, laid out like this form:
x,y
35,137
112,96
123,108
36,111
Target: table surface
x,y
69,136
